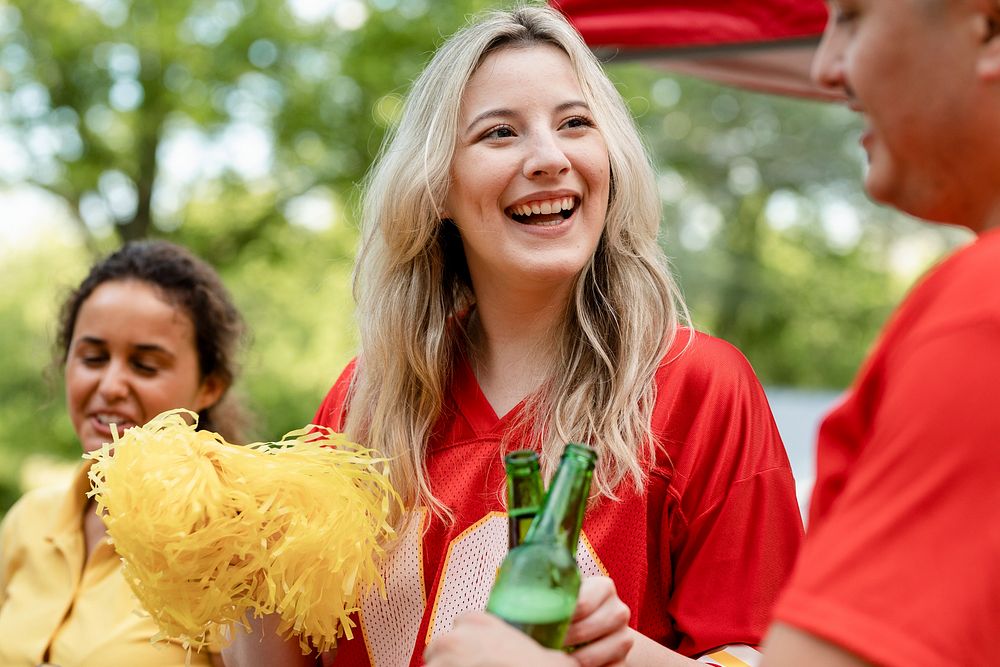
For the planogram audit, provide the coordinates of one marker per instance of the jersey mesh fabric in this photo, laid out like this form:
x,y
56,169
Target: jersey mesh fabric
x,y
400,610
900,566
720,489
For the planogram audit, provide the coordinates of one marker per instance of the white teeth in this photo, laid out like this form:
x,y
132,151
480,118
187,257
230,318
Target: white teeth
x,y
547,207
108,419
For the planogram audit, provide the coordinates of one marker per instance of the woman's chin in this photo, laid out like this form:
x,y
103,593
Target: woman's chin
x,y
93,444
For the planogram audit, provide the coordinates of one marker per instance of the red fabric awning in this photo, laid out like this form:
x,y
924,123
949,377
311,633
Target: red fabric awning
x,y
764,45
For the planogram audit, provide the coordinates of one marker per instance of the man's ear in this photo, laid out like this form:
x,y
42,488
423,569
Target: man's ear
x,y
988,66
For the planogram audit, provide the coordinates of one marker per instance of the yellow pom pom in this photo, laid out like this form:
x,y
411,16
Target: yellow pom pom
x,y
208,531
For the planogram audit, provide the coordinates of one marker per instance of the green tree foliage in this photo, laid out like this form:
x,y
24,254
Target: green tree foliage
x,y
105,93
32,418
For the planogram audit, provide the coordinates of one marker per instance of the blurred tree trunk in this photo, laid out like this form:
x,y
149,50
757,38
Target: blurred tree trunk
x,y
150,121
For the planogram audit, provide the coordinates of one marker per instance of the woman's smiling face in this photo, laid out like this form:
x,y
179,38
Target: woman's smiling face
x,y
530,177
132,356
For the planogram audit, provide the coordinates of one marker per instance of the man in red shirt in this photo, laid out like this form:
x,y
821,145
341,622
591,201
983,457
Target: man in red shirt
x,y
900,562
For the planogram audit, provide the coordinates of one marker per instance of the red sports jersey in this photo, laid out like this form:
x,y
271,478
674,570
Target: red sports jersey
x,y
699,556
901,562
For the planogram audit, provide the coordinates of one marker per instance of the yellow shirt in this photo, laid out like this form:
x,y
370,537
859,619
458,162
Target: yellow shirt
x,y
82,614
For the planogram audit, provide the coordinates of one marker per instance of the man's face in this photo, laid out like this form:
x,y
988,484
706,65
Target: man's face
x,y
909,67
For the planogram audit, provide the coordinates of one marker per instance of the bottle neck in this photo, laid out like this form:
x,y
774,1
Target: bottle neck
x,y
524,482
562,512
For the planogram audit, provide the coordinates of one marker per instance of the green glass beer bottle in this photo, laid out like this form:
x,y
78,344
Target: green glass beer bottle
x,y
538,582
524,492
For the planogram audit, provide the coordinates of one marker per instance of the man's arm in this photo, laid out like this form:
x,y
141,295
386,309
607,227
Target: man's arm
x,y
787,646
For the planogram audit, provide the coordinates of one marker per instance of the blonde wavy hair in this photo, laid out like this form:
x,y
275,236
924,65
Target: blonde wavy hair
x,y
412,286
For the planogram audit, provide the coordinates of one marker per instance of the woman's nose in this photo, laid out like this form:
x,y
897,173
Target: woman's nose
x,y
545,157
114,382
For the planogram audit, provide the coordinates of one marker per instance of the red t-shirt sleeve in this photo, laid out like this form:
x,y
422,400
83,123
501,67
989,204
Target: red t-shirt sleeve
x,y
736,559
902,570
738,527
332,411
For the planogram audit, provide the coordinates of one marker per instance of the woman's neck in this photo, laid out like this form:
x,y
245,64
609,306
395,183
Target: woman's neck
x,y
512,349
94,530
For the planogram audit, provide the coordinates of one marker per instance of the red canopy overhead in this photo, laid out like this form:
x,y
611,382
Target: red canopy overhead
x,y
764,45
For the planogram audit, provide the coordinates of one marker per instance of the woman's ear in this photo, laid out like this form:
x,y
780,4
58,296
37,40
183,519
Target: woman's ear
x,y
211,391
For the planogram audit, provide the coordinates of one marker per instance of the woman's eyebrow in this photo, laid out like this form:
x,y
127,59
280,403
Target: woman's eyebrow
x,y
152,347
491,113
89,340
572,104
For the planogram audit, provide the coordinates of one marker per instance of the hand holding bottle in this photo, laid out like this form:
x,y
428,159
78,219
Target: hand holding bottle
x,y
599,628
537,585
482,640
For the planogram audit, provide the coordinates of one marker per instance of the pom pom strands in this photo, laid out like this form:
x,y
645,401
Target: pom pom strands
x,y
208,531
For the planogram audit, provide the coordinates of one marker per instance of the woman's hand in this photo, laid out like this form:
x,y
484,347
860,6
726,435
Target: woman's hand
x,y
262,647
600,625
599,629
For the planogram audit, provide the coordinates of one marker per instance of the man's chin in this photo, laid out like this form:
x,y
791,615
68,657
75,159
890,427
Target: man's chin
x,y
882,183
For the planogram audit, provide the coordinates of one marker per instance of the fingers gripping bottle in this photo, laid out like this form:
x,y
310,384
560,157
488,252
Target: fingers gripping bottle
x,y
524,492
538,582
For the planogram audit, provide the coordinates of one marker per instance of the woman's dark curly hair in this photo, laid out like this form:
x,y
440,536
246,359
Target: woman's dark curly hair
x,y
189,283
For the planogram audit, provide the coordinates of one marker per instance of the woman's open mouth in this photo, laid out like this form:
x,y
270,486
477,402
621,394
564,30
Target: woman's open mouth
x,y
102,422
546,212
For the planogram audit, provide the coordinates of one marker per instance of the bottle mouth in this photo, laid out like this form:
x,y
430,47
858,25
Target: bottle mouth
x,y
580,451
519,456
